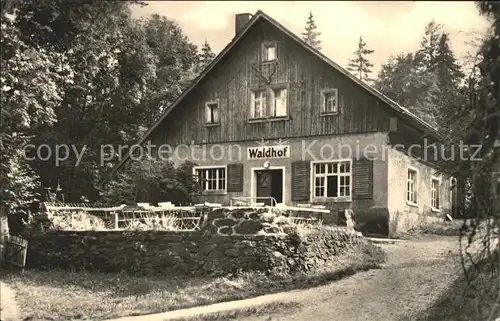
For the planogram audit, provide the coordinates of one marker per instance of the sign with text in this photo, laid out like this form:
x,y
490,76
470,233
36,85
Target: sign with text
x,y
265,152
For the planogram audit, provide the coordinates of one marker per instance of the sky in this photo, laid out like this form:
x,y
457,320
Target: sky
x,y
388,27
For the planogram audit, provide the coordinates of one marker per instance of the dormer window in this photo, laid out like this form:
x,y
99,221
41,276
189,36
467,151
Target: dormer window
x,y
268,51
330,101
212,113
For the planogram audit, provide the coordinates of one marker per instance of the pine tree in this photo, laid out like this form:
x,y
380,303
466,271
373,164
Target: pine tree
x,y
436,57
446,66
427,53
311,34
449,78
361,66
400,80
207,55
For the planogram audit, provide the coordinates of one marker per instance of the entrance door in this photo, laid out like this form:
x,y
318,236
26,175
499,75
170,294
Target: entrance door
x,y
269,184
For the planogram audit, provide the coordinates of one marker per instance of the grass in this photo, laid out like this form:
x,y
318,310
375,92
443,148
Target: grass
x,y
258,311
478,299
436,228
61,295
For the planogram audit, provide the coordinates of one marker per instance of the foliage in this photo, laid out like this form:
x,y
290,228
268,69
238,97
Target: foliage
x,y
437,57
19,184
205,57
311,34
79,221
152,181
360,65
429,82
400,80
29,83
484,130
85,75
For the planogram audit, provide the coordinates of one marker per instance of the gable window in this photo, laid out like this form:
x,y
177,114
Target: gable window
x,y
411,186
329,101
435,182
212,113
211,178
258,105
332,179
279,103
268,51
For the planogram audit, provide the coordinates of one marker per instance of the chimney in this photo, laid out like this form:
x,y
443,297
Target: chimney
x,y
241,20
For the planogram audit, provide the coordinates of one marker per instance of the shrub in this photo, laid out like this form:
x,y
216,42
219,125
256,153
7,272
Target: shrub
x,y
77,221
152,181
165,223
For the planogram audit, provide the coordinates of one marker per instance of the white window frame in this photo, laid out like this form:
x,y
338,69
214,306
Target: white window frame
x,y
205,188
263,102
413,199
265,51
345,198
276,100
207,110
435,192
324,94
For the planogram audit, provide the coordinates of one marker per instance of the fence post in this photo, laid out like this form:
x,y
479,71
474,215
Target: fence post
x,y
114,220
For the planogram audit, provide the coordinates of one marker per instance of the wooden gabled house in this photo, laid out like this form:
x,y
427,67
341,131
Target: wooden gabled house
x,y
271,118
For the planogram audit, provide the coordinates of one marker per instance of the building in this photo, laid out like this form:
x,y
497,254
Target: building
x,y
268,117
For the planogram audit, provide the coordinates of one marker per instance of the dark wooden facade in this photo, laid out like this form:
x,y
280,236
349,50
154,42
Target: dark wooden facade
x,y
304,75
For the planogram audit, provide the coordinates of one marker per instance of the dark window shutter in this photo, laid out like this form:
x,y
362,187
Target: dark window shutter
x,y
363,179
301,181
235,177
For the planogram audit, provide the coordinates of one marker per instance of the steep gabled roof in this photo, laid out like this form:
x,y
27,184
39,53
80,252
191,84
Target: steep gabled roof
x,y
412,118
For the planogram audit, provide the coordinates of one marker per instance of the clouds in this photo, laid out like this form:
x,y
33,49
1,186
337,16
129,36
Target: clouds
x,y
387,27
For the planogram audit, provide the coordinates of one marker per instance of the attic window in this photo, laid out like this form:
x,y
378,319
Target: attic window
x,y
212,113
268,51
329,101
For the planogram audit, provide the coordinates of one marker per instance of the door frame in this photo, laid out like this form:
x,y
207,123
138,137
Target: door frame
x,y
253,186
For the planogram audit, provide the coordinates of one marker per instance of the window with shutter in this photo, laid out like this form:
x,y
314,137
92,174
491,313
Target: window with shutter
x,y
300,180
363,179
211,178
235,178
332,180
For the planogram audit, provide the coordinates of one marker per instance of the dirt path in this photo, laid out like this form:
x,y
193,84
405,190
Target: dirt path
x,y
416,273
9,308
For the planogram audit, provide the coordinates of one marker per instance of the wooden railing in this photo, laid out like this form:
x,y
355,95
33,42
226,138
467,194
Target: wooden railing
x,y
181,217
118,217
251,201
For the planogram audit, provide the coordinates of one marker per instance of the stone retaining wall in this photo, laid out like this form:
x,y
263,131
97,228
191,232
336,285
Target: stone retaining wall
x,y
246,221
186,253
